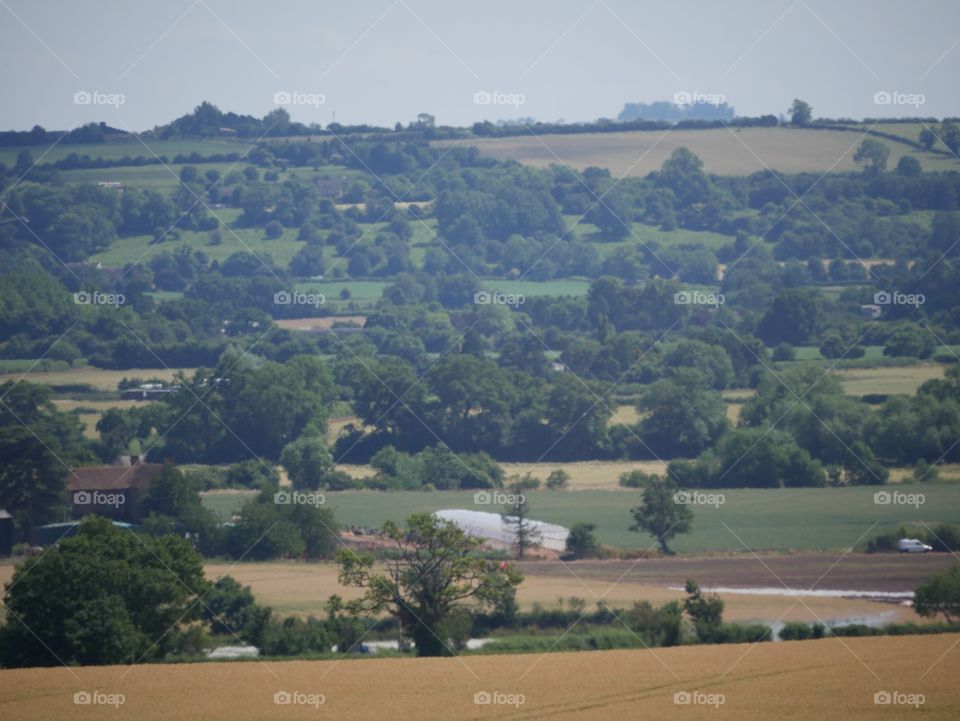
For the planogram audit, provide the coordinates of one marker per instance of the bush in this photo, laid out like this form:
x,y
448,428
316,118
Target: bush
x,y
273,229
558,479
637,479
796,631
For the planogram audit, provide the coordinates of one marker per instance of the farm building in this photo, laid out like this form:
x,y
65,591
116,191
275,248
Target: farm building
x,y
492,528
111,491
6,533
51,533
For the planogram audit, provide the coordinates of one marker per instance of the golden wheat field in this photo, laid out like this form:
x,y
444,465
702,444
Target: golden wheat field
x,y
826,679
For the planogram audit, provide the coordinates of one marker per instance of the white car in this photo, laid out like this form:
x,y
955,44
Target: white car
x,y
912,545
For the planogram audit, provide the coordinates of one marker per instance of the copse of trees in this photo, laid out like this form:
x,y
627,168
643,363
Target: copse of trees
x,y
106,596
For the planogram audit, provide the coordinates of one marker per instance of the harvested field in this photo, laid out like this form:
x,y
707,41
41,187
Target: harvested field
x,y
97,377
586,475
828,679
319,323
905,380
300,588
737,151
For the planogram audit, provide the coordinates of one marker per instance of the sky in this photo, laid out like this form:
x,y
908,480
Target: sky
x,y
138,64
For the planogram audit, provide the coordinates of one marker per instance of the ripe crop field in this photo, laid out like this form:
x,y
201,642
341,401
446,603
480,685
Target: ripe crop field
x,y
100,378
725,152
904,380
829,679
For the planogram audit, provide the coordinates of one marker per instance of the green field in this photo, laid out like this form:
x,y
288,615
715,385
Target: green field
x,y
157,177
116,149
775,520
738,151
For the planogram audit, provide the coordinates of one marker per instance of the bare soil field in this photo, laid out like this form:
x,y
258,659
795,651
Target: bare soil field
x,y
825,679
857,571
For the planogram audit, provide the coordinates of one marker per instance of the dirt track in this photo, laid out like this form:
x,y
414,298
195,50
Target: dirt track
x,y
823,571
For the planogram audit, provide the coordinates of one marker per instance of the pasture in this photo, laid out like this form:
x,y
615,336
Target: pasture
x,y
789,519
127,147
735,151
829,679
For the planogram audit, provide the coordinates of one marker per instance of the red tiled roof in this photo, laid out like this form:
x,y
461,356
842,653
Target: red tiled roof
x,y
109,478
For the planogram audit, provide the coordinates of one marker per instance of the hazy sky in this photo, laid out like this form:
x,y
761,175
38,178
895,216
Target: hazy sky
x,y
382,61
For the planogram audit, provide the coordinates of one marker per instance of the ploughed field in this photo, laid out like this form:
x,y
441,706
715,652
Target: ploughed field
x,y
826,679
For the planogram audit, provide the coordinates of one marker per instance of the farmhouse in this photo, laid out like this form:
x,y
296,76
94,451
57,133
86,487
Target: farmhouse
x,y
111,491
